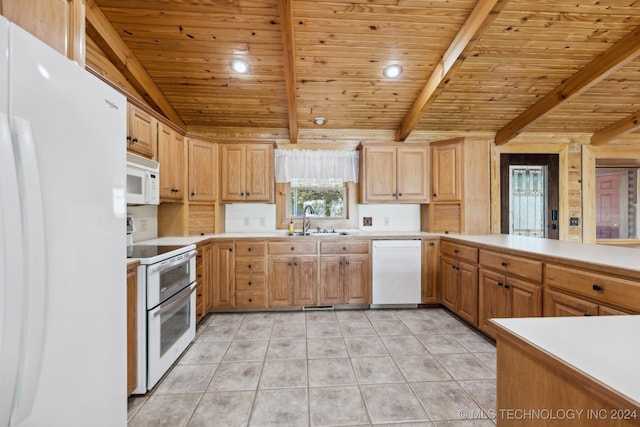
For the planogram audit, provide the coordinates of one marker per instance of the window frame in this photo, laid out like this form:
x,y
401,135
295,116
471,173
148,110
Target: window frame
x,y
345,204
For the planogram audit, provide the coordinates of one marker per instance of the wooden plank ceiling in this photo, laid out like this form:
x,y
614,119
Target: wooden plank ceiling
x,y
468,66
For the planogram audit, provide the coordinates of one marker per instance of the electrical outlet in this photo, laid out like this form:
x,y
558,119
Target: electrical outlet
x,y
143,225
387,221
574,221
246,221
262,221
367,221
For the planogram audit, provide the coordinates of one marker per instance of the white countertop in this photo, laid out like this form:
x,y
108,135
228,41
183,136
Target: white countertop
x,y
605,348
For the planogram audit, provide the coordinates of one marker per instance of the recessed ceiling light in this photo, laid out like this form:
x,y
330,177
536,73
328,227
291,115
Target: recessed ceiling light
x,y
240,66
320,121
392,71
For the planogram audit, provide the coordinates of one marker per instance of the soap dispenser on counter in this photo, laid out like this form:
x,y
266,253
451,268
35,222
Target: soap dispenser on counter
x,y
291,227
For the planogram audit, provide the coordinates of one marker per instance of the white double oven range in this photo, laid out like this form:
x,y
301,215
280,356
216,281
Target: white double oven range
x,y
166,310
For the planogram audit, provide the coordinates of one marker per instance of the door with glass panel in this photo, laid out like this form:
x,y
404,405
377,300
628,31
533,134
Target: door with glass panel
x,y
529,195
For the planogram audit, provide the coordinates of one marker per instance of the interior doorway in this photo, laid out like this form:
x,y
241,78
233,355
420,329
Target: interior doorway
x,y
529,195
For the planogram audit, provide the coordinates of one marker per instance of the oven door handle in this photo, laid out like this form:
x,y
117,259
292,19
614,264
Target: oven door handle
x,y
180,259
181,297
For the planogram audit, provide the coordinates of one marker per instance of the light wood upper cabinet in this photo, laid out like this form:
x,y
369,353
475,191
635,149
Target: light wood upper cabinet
x,y
142,132
171,158
446,172
394,174
59,23
246,172
202,171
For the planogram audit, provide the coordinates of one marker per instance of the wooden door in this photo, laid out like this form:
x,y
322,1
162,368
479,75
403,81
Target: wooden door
x,y
132,329
164,157
177,165
430,269
446,163
380,174
449,283
224,288
232,172
305,289
525,299
413,173
356,278
142,132
608,212
331,289
557,304
492,300
467,307
281,282
259,178
202,171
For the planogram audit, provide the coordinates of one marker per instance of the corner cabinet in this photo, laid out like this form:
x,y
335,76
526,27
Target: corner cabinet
x,y
171,155
142,132
398,174
460,188
246,173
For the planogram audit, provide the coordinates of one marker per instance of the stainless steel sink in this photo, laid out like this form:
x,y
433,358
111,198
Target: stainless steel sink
x,y
319,234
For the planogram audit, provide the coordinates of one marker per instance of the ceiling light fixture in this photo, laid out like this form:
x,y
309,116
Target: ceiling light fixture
x,y
320,121
392,71
240,66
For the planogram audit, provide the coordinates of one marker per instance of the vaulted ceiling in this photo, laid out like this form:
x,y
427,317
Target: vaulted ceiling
x,y
495,66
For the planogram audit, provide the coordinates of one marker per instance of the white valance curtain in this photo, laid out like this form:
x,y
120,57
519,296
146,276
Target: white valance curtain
x,y
316,164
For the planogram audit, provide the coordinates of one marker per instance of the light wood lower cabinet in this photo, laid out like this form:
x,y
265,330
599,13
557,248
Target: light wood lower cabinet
x,y
224,288
558,304
430,271
345,273
293,280
459,280
251,274
132,327
204,278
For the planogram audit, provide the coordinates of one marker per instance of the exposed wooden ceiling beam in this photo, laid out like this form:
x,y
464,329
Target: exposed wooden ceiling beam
x,y
624,51
103,33
628,124
476,24
289,52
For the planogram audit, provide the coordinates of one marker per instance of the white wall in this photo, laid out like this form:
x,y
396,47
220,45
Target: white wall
x,y
390,217
145,220
250,217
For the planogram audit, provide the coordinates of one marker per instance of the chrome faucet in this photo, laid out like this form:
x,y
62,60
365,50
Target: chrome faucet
x,y
306,222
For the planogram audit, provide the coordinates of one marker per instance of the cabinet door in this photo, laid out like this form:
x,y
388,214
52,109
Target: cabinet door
x,y
171,158
224,275
331,289
207,277
468,292
492,300
413,173
280,283
305,290
232,172
446,172
380,174
142,136
132,330
557,304
259,176
357,282
525,299
430,269
202,171
603,310
177,165
449,282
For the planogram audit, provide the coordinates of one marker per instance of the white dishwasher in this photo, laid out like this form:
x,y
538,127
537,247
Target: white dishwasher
x,y
396,278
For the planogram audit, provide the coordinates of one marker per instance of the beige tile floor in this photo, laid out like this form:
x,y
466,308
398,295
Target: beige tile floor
x,y
413,367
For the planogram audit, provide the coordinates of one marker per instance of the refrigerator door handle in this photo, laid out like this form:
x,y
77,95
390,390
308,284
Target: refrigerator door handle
x,y
12,271
35,293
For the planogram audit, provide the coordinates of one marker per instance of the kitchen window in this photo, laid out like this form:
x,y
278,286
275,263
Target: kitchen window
x,y
327,197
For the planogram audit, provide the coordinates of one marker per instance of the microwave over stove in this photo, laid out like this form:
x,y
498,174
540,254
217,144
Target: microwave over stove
x,y
143,181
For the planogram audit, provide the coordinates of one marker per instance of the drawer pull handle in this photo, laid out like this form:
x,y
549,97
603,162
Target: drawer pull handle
x,y
587,314
455,251
289,264
249,249
598,288
295,263
293,248
250,300
249,266
507,286
344,248
499,283
453,266
503,263
250,283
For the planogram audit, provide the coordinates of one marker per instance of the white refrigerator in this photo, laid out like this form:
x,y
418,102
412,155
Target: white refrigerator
x,y
62,240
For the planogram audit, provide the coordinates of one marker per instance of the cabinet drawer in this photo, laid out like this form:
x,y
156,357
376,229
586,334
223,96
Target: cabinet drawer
x,y
622,292
246,282
455,250
250,248
294,247
250,265
251,299
360,247
512,265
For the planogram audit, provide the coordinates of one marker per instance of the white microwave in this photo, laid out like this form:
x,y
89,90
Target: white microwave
x,y
143,181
